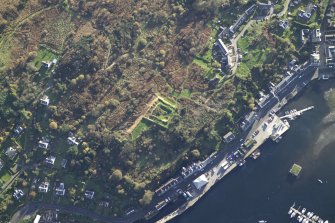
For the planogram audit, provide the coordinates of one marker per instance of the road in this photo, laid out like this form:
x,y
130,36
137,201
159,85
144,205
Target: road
x,y
235,40
247,26
294,84
32,207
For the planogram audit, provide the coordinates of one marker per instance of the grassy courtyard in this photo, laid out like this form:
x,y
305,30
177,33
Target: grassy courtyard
x,y
254,48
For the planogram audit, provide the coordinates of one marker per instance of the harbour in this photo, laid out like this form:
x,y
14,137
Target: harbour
x,y
305,216
263,189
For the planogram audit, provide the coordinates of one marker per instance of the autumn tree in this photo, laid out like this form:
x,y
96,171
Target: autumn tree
x,y
116,175
147,197
53,125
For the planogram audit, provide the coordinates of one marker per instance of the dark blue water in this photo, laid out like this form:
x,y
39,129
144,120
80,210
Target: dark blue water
x,y
262,189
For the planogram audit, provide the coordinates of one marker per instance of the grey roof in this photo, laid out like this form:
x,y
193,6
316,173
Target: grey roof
x,y
60,190
11,152
223,47
229,137
200,181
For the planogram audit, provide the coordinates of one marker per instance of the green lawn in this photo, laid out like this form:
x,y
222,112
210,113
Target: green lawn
x,y
43,55
163,112
295,169
202,63
5,52
185,93
5,177
141,127
255,48
204,60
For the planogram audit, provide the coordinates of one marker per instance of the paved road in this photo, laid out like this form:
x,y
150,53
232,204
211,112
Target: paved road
x,y
33,207
295,83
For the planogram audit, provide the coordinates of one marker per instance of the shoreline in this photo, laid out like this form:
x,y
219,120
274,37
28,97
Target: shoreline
x,y
217,168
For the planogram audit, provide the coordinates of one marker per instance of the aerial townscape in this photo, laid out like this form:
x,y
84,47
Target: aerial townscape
x,y
120,111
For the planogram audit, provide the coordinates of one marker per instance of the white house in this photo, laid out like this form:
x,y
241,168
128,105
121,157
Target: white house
x,y
72,141
50,160
60,190
44,187
316,36
18,194
11,152
89,194
45,100
43,144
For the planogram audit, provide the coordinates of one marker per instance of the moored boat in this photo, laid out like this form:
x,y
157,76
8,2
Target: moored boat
x,y
303,210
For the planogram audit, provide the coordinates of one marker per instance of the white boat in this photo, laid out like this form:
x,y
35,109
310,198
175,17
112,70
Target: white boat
x,y
305,220
303,210
290,211
242,163
300,218
262,221
293,214
320,181
326,221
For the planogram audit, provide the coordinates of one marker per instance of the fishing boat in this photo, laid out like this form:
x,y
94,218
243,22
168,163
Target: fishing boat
x,y
256,154
293,215
290,211
262,221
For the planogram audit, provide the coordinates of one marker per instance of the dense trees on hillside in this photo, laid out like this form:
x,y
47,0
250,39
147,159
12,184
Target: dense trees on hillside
x,y
112,59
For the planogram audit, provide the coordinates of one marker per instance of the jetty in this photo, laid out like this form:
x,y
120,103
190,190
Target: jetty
x,y
304,216
294,113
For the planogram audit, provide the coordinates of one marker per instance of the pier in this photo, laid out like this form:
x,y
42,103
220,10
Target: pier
x,y
294,113
305,216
